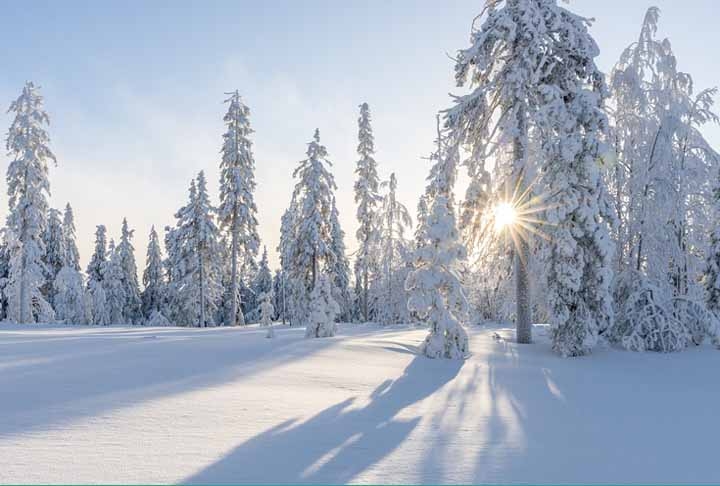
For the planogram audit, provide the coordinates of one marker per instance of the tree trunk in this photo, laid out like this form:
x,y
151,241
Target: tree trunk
x,y
522,294
522,254
231,319
202,290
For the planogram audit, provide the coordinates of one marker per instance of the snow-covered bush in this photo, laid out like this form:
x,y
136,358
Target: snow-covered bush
x,y
266,312
645,320
323,310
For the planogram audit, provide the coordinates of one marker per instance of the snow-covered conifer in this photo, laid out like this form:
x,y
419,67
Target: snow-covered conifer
x,y
367,199
55,252
69,300
323,310
279,295
96,304
308,231
262,283
237,210
153,295
72,255
394,218
193,250
339,267
436,293
28,191
126,259
113,282
99,256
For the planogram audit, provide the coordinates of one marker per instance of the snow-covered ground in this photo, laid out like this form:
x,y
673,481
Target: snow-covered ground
x,y
155,405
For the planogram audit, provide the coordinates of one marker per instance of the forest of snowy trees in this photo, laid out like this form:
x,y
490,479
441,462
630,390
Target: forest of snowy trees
x,y
593,204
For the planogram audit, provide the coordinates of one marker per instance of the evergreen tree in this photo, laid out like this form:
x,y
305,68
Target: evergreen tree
x,y
263,281
99,256
323,310
394,219
237,210
153,294
96,304
4,274
193,249
55,252
279,295
307,228
28,191
436,294
126,259
339,267
367,199
69,296
114,287
72,255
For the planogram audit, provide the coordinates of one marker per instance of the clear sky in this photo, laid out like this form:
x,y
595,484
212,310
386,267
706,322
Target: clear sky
x,y
134,90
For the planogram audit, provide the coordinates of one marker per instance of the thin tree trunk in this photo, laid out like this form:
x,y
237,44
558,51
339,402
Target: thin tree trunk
x,y
231,319
202,290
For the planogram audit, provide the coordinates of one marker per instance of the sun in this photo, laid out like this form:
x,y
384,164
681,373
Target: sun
x,y
505,215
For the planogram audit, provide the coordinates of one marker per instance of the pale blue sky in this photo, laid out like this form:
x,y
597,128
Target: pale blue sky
x,y
135,89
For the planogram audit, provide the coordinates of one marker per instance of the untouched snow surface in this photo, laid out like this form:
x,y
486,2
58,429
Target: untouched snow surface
x,y
156,405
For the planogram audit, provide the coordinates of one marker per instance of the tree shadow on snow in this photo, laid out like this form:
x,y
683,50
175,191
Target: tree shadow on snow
x,y
339,442
106,372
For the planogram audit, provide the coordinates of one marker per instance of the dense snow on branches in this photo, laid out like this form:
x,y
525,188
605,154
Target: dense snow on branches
x,y
592,203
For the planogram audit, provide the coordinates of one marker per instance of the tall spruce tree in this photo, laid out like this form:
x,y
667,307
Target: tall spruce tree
x,y
126,259
367,199
436,293
237,210
72,255
153,294
28,192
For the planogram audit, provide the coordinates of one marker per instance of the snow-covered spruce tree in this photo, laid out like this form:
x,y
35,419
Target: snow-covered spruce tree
x,y
96,307
394,218
114,286
99,256
193,250
279,296
55,253
580,261
524,58
323,310
263,282
339,267
237,210
28,190
72,255
311,250
436,293
367,199
503,67
69,296
4,273
286,249
126,257
153,294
